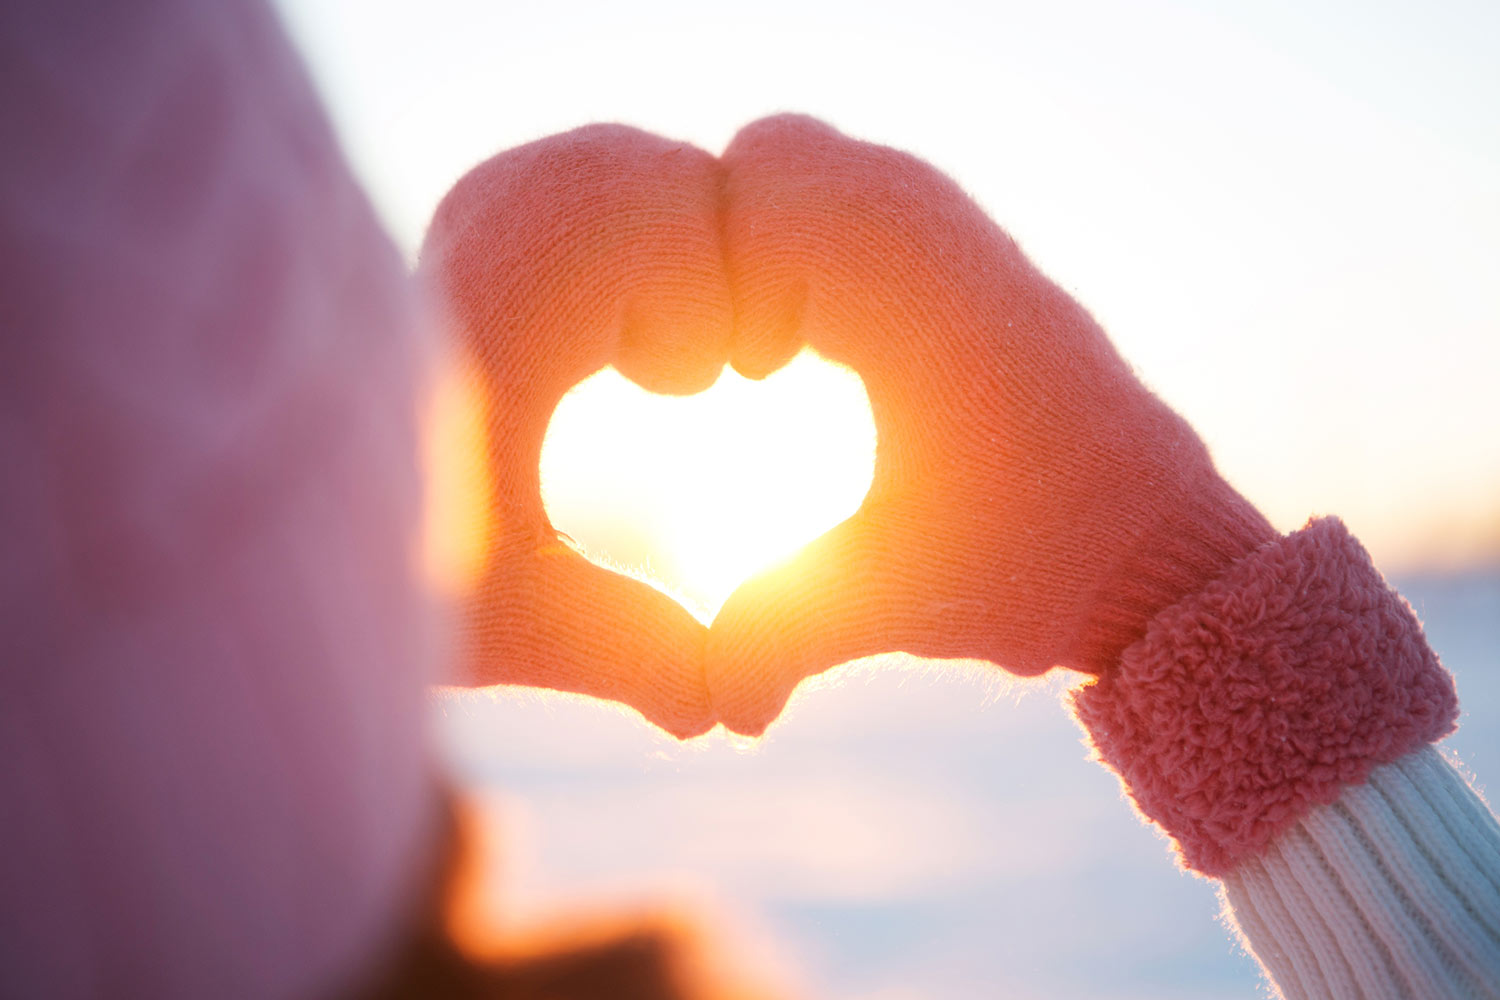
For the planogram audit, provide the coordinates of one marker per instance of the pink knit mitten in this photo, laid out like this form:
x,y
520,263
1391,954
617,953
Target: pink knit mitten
x,y
1033,503
597,247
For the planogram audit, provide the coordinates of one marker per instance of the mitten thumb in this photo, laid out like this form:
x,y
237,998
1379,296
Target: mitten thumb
x,y
861,589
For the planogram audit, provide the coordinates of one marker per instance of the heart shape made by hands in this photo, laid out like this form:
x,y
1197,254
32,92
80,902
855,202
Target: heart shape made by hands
x,y
694,493
1031,503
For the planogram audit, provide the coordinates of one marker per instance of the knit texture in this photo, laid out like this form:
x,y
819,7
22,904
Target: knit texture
x,y
1246,705
1390,893
214,643
1033,503
600,246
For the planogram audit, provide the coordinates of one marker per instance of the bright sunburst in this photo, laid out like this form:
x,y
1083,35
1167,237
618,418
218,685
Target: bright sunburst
x,y
699,492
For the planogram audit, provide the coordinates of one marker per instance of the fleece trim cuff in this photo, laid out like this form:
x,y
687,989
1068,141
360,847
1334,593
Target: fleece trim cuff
x,y
1287,679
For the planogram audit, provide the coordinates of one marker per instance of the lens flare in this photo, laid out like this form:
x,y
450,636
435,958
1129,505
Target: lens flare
x,y
696,493
457,513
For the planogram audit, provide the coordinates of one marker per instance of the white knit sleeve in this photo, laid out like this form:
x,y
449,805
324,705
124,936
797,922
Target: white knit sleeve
x,y
1393,891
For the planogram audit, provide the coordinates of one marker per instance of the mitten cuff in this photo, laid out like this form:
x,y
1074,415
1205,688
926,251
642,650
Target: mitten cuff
x,y
1245,705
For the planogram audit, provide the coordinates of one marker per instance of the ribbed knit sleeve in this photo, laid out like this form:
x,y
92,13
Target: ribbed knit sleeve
x,y
1393,891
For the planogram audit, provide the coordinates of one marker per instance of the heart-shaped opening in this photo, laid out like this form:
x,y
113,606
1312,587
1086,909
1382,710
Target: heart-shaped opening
x,y
696,493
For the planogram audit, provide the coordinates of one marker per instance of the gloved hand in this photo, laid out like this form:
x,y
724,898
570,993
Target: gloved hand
x,y
1033,503
600,246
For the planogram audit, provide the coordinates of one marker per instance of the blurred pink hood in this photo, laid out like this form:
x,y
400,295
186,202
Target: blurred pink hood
x,y
213,650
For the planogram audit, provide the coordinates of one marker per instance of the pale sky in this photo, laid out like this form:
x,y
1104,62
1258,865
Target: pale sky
x,y
1288,219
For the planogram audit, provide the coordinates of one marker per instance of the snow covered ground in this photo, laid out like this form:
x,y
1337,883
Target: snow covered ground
x,y
907,829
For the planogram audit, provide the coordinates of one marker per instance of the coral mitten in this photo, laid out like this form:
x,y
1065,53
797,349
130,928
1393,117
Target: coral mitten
x,y
550,261
1033,503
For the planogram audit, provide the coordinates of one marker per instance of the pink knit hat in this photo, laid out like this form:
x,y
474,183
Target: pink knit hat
x,y
213,778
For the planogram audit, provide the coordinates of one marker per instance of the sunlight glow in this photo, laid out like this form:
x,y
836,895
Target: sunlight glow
x,y
698,492
457,524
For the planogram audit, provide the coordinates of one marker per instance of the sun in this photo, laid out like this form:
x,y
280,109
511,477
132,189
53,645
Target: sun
x,y
696,493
